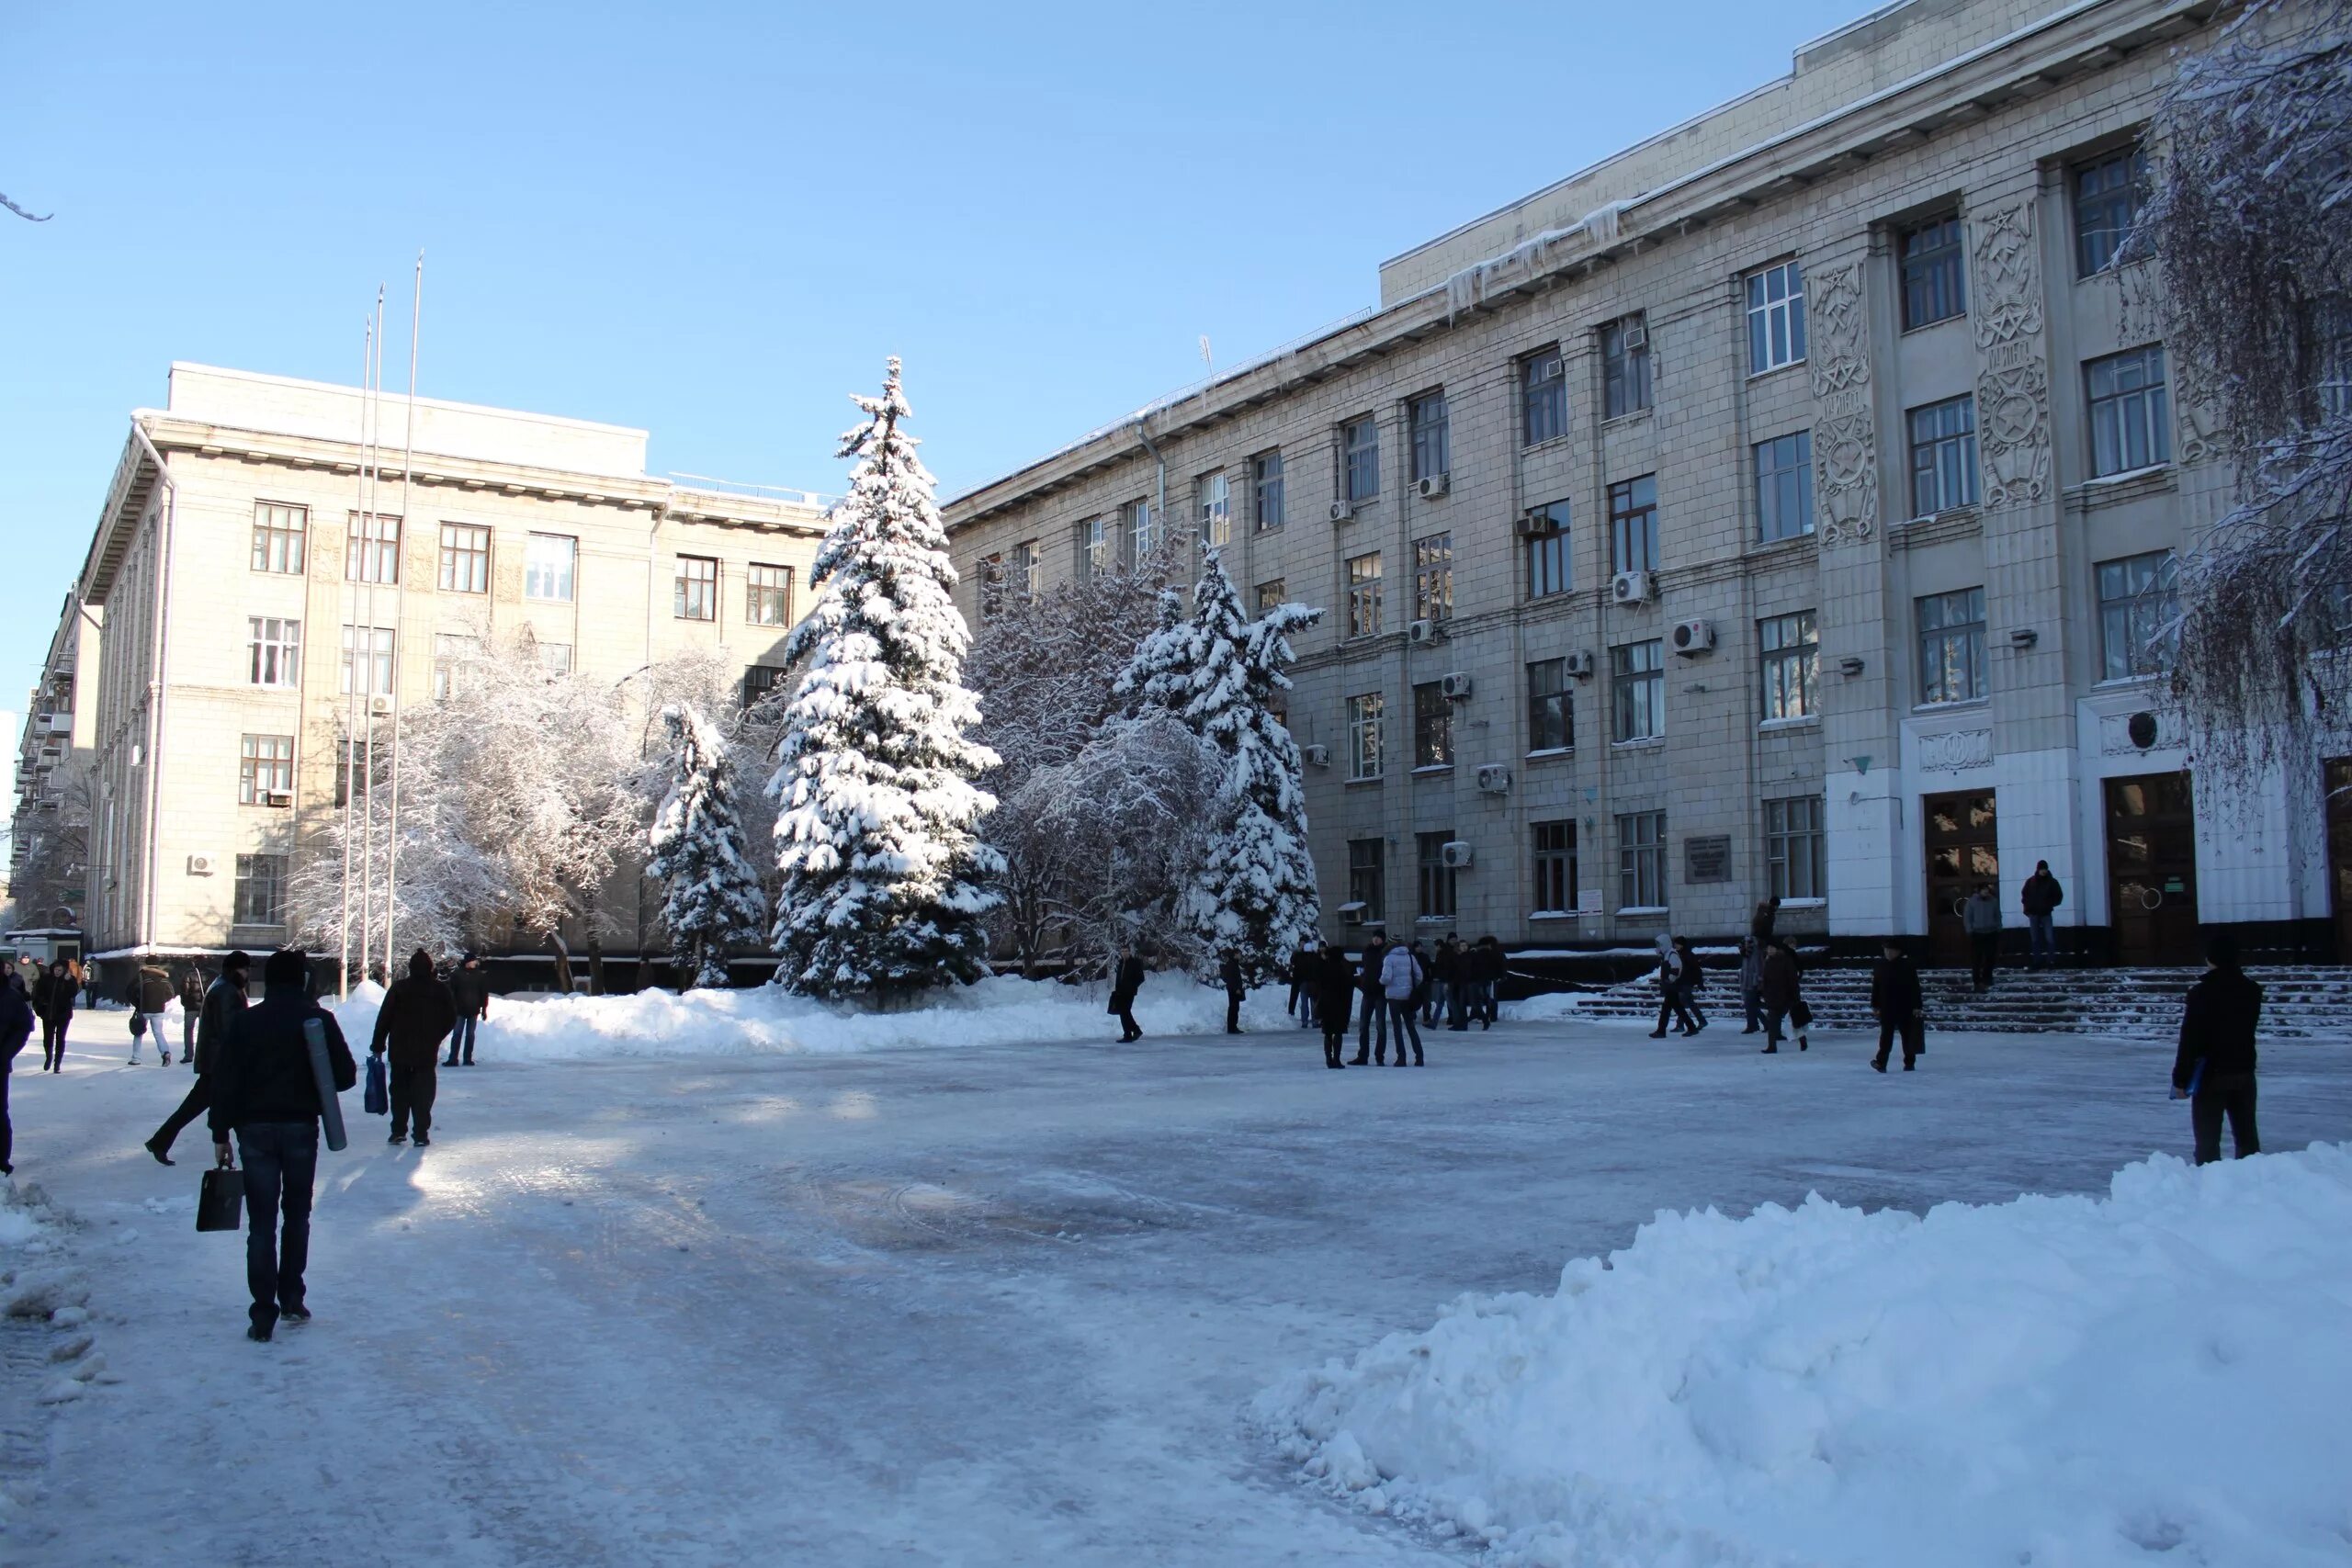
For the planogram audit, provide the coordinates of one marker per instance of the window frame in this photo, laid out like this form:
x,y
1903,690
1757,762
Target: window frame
x,y
260,772
461,552
1551,706
1788,652
1641,860
1637,690
1433,577
449,650
288,548
776,591
1942,638
1437,884
1360,460
538,575
1627,514
1139,531
1430,423
1939,439
1554,865
267,871
1432,725
382,654
694,588
2098,237
1367,736
1775,329
372,543
1272,594
1796,852
1213,502
1368,878
1266,498
1931,266
2144,612
2140,414
273,643
1786,485
1363,594
1625,372
1542,396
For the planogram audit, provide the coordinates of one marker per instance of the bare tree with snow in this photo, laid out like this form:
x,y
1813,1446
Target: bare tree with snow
x,y
712,900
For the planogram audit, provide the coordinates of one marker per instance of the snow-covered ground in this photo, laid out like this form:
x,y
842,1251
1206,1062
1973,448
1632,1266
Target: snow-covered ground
x,y
1018,1300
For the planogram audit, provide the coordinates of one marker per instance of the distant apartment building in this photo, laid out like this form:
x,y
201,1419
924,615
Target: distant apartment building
x,y
1784,507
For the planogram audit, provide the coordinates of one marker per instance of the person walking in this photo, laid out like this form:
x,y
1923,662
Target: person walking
x,y
1784,998
1751,983
1670,989
2213,1069
470,986
417,1014
1306,983
1374,1023
16,1028
1897,1004
1125,981
2042,898
1489,977
1693,978
1229,975
1981,918
222,1001
1445,966
150,994
1760,924
1402,976
1333,980
191,1008
54,995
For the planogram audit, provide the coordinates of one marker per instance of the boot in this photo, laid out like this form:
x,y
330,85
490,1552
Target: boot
x,y
1878,1063
1773,1049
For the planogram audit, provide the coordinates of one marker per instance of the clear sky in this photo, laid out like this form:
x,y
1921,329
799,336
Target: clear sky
x,y
713,220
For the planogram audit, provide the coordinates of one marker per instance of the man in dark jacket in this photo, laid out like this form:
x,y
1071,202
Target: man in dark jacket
x,y
1334,990
2041,896
1125,981
417,1014
1229,975
54,995
191,1009
2215,1067
1784,998
264,1091
470,989
1376,1003
1306,978
151,993
221,1001
1488,975
1896,1003
16,1028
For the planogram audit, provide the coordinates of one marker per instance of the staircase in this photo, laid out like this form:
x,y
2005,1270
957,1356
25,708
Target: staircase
x,y
2299,1003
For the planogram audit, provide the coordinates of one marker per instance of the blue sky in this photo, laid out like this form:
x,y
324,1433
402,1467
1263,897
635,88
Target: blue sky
x,y
714,220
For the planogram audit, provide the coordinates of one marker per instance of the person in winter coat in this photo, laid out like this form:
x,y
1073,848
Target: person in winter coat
x,y
1229,975
1897,1004
1783,998
1402,976
1445,981
16,1028
469,987
1694,980
1125,981
1982,917
1334,987
263,1093
2213,1069
417,1014
1670,989
151,993
221,1002
1760,924
1487,976
1374,1023
1751,983
2042,898
54,995
191,1008
1305,984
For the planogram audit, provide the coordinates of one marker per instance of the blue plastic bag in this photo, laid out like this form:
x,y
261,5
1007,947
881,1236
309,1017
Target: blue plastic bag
x,y
379,1102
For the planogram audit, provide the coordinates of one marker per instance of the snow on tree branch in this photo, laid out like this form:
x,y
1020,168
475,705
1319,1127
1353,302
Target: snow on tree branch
x,y
712,899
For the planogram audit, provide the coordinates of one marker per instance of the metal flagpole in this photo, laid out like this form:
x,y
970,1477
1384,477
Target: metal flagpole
x,y
399,598
350,726
363,655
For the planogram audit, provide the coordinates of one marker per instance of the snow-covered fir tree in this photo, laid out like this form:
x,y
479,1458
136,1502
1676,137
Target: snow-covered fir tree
x,y
711,898
882,870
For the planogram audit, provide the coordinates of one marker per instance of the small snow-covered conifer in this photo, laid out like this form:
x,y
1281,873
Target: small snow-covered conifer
x,y
711,898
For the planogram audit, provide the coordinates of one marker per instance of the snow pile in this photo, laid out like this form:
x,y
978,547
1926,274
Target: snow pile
x,y
2070,1381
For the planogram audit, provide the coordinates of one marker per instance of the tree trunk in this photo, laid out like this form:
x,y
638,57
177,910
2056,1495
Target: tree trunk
x,y
562,962
595,966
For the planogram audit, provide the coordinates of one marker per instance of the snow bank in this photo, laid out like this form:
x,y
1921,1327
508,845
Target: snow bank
x,y
763,1019
2052,1380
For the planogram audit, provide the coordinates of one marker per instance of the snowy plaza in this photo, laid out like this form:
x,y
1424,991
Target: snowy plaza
x,y
750,1291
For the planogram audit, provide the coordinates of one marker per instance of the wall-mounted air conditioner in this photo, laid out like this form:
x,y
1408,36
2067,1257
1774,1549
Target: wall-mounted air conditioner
x,y
1422,632
1638,335
1351,914
1456,687
60,724
1343,512
1454,855
1578,664
277,797
1317,756
199,865
379,706
1434,486
1694,636
1633,588
1494,779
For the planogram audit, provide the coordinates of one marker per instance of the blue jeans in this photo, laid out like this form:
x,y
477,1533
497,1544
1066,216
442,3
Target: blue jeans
x,y
281,1161
461,1039
1434,1007
2044,937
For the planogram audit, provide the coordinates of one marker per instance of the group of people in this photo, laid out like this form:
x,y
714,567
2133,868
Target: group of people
x,y
1401,986
1771,988
1980,915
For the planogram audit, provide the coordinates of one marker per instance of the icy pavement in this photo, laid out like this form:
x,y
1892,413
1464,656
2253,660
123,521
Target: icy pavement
x,y
978,1306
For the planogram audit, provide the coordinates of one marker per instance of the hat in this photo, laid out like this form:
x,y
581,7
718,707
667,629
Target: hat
x,y
285,968
238,959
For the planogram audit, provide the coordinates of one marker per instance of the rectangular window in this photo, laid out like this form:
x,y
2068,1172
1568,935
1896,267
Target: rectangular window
x,y
1432,725
465,558
1367,881
695,597
1933,274
1266,487
1637,672
1551,706
278,533
1543,397
1437,878
1216,511
555,658
1796,851
1365,738
2130,419
273,651
759,680
1556,866
1364,595
261,890
1784,487
1624,367
351,760
1641,860
548,566
1944,455
371,552
1952,647
767,590
1775,318
1432,455
2106,202
1792,653
1633,525
2139,614
1548,549
1142,530
450,654
1094,547
1433,578
265,764
373,646
1360,459
1028,575
1273,595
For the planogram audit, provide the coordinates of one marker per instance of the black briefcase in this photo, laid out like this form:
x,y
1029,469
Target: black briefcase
x,y
220,1202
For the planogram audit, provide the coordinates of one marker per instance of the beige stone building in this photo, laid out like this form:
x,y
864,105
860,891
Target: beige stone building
x,y
1781,507
245,600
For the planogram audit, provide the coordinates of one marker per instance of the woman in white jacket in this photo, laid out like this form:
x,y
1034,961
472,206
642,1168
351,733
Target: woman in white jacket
x,y
1400,978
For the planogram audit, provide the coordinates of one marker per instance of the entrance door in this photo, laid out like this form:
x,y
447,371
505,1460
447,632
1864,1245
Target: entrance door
x,y
2151,869
2339,852
1964,853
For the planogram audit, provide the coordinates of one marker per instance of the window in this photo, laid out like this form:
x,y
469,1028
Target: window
x,y
1796,851
1266,487
759,680
1365,735
465,558
1432,725
1543,398
1775,318
1784,487
2131,420
1216,511
1556,866
547,567
265,764
1791,652
1641,860
1633,525
1431,457
767,590
1360,459
697,594
1437,878
261,890
1433,578
372,551
1944,455
555,658
373,646
279,531
1551,706
1273,595
1952,647
1933,274
351,762
274,650
2138,610
1142,529
450,653
1364,595
1624,367
1638,671
1366,879
1548,549
1094,547
2107,201
1028,575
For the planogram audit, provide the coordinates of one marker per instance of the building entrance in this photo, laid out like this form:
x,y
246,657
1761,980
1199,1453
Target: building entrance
x,y
2339,852
2151,869
1964,853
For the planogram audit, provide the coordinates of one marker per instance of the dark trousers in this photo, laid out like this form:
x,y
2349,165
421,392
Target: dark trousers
x,y
1335,1042
7,1133
1910,1030
1484,1008
198,1102
1373,1027
1670,1000
188,1036
2042,932
1752,998
281,1161
2223,1094
462,1037
1301,1005
52,1042
1982,946
1128,1027
413,1090
1233,1011
1402,1023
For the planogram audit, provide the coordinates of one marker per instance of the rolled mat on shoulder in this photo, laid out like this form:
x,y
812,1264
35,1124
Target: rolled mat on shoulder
x,y
315,1034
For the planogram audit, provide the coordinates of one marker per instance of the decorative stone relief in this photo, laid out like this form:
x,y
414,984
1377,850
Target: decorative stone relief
x,y
326,545
1845,444
2115,732
2195,419
2013,382
1954,749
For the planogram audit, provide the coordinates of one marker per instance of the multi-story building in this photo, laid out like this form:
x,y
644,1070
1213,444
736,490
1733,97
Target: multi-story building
x,y
1783,506
255,562
49,829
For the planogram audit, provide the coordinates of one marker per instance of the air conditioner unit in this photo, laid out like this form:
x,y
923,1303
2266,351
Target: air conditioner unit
x,y
1421,632
1633,588
1454,855
1535,522
1638,335
1494,779
60,724
1456,687
1317,756
1694,636
1343,512
277,797
379,706
1578,664
1351,914
199,865
1434,486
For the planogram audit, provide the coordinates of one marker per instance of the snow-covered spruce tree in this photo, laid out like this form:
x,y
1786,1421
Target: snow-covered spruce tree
x,y
711,898
882,872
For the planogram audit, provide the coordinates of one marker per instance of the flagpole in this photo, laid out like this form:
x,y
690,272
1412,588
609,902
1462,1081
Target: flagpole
x,y
363,658
400,598
350,726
